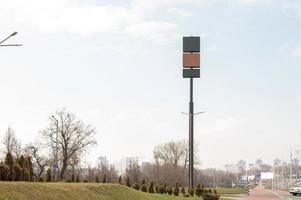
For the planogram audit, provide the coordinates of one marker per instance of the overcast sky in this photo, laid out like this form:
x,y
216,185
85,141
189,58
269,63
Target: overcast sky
x,y
117,66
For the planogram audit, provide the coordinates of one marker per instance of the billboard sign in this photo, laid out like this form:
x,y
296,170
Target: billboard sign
x,y
191,57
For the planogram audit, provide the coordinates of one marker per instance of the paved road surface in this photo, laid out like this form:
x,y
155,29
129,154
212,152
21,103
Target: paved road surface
x,y
262,194
285,195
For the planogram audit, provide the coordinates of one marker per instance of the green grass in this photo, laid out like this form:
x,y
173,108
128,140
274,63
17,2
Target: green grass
x,y
230,190
76,191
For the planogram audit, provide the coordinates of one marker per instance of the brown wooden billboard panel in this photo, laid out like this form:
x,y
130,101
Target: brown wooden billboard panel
x,y
191,60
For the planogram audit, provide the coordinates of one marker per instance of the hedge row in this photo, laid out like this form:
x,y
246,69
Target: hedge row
x,y
19,170
199,191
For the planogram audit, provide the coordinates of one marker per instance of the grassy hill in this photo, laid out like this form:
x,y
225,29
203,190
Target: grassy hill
x,y
81,191
230,191
75,191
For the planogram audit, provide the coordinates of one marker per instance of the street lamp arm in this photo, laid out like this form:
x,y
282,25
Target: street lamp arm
x,y
6,39
193,114
10,45
11,35
14,33
199,113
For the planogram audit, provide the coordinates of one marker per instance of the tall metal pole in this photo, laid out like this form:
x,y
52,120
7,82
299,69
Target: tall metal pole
x,y
56,166
56,153
191,135
291,170
191,70
273,177
282,185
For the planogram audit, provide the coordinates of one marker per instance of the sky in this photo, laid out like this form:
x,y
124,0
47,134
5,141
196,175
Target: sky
x,y
117,65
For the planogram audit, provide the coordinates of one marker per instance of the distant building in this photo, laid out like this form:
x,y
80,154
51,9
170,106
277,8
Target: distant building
x,y
126,162
145,164
233,168
277,161
240,167
103,161
251,165
259,162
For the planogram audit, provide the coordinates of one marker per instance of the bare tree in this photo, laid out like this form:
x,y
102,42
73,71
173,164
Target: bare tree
x,y
11,144
39,161
74,161
157,163
170,162
112,175
104,170
175,153
134,172
69,135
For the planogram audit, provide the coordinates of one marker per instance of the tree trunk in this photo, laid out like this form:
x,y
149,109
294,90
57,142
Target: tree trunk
x,y
64,167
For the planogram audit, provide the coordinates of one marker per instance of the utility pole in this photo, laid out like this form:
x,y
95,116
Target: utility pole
x,y
56,165
282,185
273,177
291,170
191,135
291,163
191,70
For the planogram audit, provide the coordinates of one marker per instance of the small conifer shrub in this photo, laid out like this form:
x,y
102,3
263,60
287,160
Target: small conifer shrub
x,y
169,190
183,191
96,179
151,188
128,183
191,191
104,179
136,186
48,175
176,190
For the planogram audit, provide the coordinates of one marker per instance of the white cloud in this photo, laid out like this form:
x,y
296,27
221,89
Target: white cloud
x,y
121,49
296,53
66,16
179,12
166,3
247,2
298,98
59,16
155,31
215,48
226,124
251,2
292,8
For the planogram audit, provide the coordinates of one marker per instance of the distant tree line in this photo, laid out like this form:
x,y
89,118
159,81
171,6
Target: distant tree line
x,y
57,154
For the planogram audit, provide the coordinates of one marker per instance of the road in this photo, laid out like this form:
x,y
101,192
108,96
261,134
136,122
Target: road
x,y
262,194
285,195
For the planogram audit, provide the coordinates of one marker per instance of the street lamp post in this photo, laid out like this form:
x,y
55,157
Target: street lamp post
x,y
56,149
8,45
282,183
291,160
291,170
